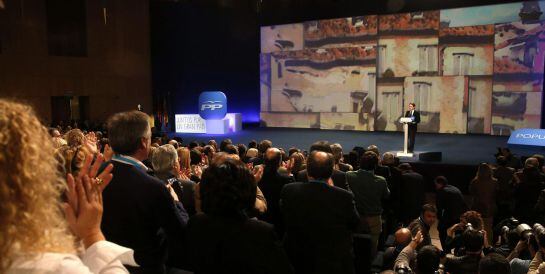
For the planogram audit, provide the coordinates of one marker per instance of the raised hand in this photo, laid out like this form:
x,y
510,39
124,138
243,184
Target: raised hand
x,y
90,142
198,171
258,173
108,153
102,179
84,221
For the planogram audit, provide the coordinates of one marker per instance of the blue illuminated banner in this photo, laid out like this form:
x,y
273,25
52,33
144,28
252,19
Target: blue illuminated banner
x,y
212,105
528,137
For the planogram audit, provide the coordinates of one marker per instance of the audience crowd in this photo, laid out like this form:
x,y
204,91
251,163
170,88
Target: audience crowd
x,y
122,200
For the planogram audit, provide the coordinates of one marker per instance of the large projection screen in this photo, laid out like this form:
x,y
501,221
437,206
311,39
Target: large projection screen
x,y
468,70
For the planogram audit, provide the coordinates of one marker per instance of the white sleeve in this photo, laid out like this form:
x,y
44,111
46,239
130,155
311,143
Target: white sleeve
x,y
108,258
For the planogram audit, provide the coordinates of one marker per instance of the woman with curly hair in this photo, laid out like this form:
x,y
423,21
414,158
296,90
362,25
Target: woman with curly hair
x,y
35,235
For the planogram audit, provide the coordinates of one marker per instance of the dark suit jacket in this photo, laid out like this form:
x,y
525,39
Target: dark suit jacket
x,y
416,115
185,189
411,191
450,205
468,264
221,245
339,178
140,213
271,185
319,222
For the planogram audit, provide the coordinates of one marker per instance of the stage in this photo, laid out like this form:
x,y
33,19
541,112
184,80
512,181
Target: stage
x,y
456,149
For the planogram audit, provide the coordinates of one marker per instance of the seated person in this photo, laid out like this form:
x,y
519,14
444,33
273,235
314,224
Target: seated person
x,y
454,233
402,238
423,224
474,242
494,263
426,261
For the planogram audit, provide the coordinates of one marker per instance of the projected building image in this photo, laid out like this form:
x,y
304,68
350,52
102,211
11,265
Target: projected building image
x,y
479,75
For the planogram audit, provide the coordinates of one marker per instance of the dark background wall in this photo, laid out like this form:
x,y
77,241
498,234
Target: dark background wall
x,y
215,44
66,48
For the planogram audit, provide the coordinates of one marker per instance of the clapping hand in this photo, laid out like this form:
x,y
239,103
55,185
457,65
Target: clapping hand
x,y
108,153
90,142
258,173
185,174
83,208
100,181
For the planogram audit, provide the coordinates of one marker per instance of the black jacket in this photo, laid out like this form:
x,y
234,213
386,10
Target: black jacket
x,y
219,245
339,178
411,191
140,213
271,185
416,115
450,205
467,264
319,220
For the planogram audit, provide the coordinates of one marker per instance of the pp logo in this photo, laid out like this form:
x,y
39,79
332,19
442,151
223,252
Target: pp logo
x,y
212,105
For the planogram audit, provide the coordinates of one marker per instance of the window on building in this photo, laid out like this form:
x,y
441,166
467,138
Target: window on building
x,y
417,15
529,55
427,56
391,105
462,63
381,59
473,102
372,83
66,27
422,98
312,26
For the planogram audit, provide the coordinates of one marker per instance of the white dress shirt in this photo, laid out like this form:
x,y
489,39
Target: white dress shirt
x,y
102,257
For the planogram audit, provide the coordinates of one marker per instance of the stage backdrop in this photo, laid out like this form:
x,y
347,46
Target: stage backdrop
x,y
469,70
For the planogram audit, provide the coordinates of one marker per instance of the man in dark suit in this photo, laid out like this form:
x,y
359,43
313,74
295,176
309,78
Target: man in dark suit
x,y
271,184
413,126
450,206
319,220
412,193
139,211
338,177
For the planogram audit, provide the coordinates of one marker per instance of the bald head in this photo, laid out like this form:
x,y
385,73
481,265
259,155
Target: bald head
x,y
273,156
403,236
531,162
320,165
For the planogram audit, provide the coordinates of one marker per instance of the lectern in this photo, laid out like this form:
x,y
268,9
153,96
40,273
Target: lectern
x,y
405,121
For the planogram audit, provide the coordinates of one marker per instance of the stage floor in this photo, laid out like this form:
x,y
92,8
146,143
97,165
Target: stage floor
x,y
456,149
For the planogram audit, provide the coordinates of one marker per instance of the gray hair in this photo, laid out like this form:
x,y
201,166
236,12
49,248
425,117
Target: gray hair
x,y
126,129
252,152
388,158
337,151
164,158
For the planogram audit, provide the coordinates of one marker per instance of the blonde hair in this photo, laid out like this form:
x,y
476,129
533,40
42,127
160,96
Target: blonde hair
x,y
58,142
31,218
75,138
73,158
184,157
